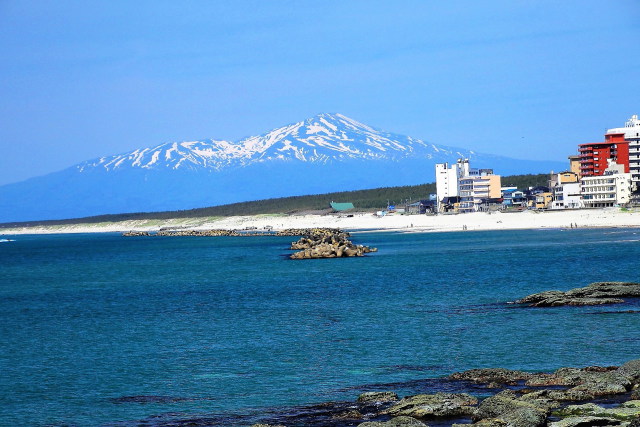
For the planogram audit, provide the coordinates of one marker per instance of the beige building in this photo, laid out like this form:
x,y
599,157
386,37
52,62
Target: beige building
x,y
567,177
543,200
476,190
560,178
574,165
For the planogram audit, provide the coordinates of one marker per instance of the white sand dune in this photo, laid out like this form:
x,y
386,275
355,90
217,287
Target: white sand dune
x,y
608,217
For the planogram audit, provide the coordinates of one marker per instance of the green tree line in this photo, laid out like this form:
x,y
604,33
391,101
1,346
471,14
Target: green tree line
x,y
368,200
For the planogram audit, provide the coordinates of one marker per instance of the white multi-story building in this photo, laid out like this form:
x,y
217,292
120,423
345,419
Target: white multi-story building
x,y
566,191
472,186
611,189
448,179
567,196
631,131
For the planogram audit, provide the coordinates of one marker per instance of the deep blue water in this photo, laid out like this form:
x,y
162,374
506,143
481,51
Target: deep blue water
x,y
228,325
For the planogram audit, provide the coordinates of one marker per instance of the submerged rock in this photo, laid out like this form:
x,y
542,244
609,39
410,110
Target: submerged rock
x,y
149,399
595,294
352,414
492,376
377,397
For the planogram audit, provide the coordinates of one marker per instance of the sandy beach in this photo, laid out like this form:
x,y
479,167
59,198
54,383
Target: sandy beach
x,y
584,218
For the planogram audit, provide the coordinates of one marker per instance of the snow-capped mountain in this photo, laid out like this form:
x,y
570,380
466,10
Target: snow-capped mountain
x,y
326,153
325,138
174,155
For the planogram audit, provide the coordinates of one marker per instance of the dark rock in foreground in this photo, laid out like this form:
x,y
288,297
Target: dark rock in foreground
x,y
513,410
568,397
595,294
438,405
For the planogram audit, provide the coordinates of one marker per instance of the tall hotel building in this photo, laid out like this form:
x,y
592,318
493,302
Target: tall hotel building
x,y
631,134
594,155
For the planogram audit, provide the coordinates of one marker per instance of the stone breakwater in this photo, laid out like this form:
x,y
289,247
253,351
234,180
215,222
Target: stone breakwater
x,y
172,232
595,294
568,397
327,243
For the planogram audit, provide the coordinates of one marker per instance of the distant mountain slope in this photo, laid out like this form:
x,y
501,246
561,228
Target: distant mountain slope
x,y
328,152
325,138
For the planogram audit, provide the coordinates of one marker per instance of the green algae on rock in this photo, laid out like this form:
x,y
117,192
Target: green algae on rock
x,y
598,293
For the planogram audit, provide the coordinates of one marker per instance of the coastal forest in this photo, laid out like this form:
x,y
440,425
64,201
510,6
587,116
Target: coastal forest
x,y
363,200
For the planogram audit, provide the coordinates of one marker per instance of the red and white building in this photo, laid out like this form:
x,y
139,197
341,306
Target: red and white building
x,y
631,134
594,156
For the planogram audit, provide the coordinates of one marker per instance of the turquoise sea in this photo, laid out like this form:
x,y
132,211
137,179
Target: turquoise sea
x,y
106,330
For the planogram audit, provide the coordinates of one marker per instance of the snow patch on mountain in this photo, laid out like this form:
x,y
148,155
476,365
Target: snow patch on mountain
x,y
322,139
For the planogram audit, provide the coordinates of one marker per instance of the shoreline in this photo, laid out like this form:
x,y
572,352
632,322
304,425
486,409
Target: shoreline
x,y
366,222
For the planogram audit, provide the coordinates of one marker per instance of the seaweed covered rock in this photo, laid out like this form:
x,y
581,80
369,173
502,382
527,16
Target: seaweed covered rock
x,y
506,407
585,383
631,370
627,411
595,294
395,422
434,405
492,376
377,397
585,422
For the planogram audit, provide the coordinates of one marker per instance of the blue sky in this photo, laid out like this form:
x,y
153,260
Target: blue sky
x,y
526,79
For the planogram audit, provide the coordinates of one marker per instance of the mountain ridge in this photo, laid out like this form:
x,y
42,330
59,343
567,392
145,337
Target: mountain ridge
x,y
323,138
325,153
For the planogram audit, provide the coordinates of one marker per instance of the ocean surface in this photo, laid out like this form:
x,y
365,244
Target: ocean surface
x,y
106,330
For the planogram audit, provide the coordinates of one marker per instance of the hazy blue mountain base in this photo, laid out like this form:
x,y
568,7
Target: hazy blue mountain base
x,y
324,154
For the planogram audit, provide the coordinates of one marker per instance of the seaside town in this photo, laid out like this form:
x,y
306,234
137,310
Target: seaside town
x,y
602,174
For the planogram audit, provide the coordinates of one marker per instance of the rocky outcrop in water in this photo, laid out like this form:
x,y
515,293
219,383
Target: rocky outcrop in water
x,y
327,243
595,294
